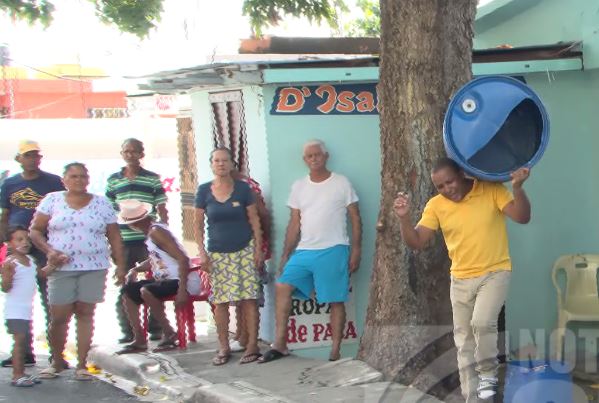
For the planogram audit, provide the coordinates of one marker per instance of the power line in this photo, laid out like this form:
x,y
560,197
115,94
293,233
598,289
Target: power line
x,y
45,72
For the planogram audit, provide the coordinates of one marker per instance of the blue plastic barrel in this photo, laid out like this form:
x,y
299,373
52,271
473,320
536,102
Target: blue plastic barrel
x,y
538,382
495,125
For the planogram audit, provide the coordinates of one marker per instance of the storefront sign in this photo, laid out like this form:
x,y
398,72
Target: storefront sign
x,y
309,324
343,99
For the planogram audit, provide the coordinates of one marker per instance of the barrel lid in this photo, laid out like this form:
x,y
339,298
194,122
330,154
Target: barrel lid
x,y
494,125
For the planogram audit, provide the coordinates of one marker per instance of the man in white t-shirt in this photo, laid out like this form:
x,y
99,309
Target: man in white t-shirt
x,y
323,259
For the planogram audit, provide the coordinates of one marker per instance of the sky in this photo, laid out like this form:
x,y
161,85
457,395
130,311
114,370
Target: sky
x,y
186,36
191,31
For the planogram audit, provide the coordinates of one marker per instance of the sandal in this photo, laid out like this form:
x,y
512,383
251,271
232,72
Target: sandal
x,y
253,357
221,359
271,355
131,349
35,379
83,374
48,373
22,382
167,344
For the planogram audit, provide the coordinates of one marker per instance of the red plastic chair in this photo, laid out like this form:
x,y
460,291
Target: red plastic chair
x,y
3,252
185,316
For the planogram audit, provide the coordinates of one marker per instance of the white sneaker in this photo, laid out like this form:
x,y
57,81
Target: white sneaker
x,y
487,388
235,347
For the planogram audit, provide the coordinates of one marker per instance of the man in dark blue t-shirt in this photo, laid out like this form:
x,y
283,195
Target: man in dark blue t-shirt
x,y
19,196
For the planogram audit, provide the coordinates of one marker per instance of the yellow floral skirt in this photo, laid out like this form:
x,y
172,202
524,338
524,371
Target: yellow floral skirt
x,y
233,276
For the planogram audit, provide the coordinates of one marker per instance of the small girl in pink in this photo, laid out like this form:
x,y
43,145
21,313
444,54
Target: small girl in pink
x,y
19,273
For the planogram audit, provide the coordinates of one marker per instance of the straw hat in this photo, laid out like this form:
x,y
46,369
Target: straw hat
x,y
133,211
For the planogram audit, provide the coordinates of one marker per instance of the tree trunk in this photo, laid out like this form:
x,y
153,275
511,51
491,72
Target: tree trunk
x,y
426,54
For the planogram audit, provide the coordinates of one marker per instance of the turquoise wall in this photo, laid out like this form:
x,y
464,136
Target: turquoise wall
x,y
255,132
545,22
354,148
565,199
257,152
562,187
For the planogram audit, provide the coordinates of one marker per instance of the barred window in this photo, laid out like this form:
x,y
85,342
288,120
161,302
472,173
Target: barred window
x,y
229,126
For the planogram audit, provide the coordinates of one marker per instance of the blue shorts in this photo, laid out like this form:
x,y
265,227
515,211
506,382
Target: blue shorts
x,y
326,270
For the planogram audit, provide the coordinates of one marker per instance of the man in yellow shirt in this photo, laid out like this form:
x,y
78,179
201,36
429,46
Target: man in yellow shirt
x,y
471,215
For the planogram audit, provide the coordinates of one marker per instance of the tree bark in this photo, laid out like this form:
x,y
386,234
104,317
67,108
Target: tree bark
x,y
426,51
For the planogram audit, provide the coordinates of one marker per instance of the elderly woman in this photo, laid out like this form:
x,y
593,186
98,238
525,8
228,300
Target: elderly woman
x,y
233,255
77,231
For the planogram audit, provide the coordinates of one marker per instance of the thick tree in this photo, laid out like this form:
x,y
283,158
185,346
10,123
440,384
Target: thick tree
x,y
426,55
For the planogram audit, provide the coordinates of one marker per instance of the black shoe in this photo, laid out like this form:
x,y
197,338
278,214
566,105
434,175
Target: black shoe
x,y
29,361
156,336
126,339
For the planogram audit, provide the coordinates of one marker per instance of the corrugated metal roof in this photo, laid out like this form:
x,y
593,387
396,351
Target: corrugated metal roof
x,y
236,73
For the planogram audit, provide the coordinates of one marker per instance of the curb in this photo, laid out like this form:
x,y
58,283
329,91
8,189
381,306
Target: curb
x,y
158,372
235,392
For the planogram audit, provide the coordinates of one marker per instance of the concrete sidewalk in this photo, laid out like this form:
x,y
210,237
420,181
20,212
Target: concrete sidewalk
x,y
189,376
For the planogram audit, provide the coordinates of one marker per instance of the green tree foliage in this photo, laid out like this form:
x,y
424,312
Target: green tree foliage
x,y
369,24
264,13
140,16
133,16
29,10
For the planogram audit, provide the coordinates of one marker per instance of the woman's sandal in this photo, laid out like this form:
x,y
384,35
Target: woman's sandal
x,y
221,359
23,382
48,373
83,374
248,358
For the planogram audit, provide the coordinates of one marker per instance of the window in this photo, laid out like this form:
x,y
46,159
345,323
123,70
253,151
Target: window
x,y
229,126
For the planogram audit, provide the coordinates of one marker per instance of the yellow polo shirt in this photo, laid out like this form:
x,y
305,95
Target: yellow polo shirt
x,y
474,229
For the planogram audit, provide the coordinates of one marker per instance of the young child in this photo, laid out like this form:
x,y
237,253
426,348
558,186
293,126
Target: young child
x,y
19,283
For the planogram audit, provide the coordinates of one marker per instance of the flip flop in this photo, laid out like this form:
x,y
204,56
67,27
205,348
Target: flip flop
x,y
83,375
48,373
221,359
166,345
22,382
271,355
131,349
34,379
246,359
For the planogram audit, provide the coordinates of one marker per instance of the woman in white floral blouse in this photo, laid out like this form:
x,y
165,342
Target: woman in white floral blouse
x,y
77,230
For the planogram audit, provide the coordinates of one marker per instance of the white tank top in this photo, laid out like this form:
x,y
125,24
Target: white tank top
x,y
18,303
165,267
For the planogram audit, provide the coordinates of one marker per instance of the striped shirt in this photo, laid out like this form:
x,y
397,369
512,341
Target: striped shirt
x,y
145,187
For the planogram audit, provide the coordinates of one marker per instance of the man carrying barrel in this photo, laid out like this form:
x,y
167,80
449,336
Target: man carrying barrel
x,y
471,215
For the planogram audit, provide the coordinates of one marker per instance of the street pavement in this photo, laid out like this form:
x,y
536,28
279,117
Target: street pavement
x,y
189,376
63,389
